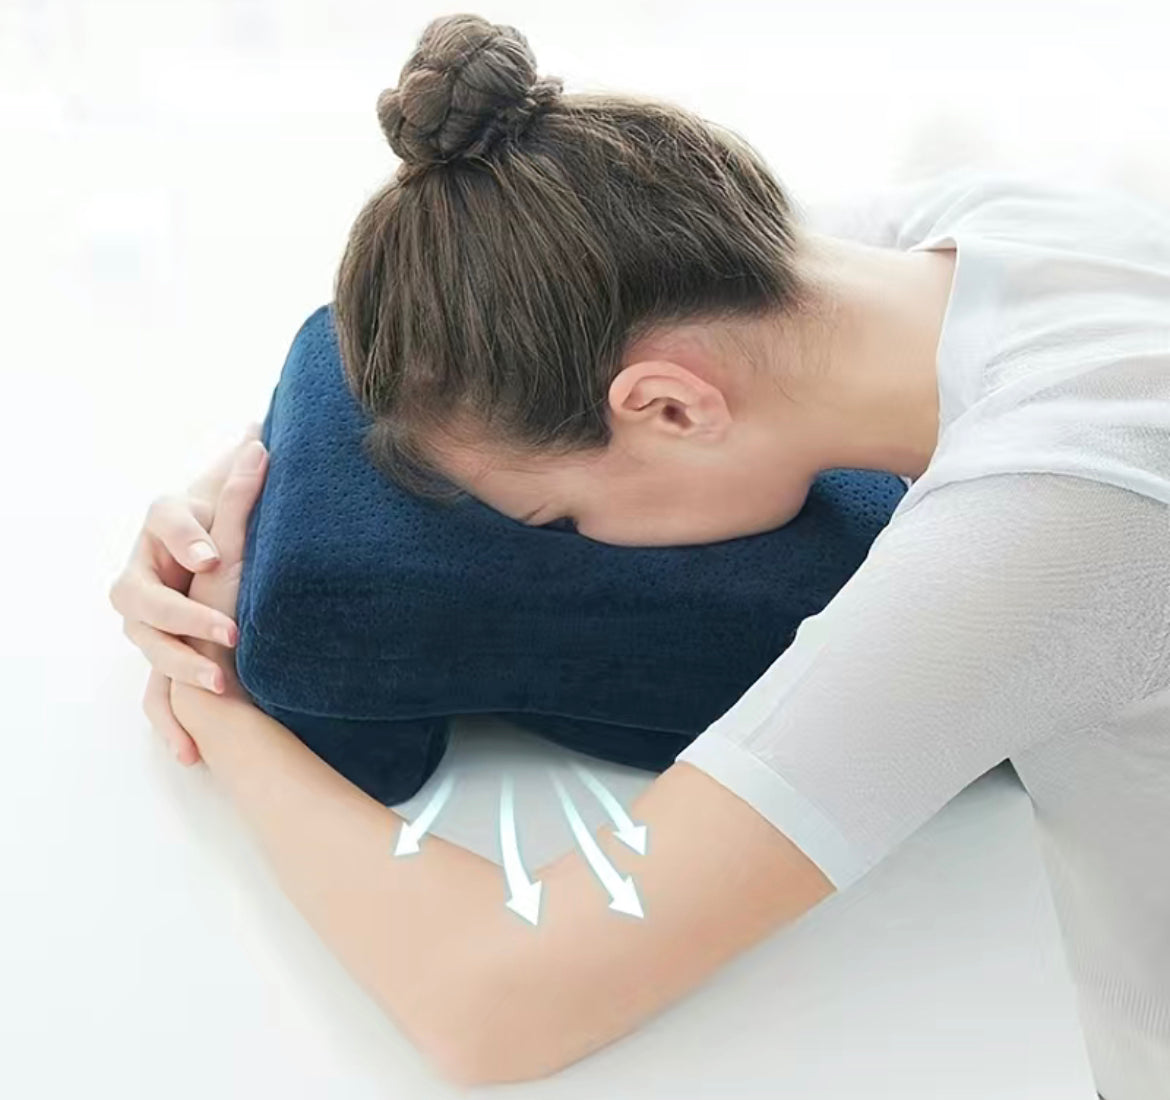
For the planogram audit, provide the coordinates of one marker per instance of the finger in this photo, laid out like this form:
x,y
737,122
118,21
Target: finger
x,y
174,658
203,510
237,498
171,520
160,562
139,597
156,702
208,484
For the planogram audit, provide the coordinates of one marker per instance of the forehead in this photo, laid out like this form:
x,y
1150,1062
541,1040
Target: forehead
x,y
473,462
503,478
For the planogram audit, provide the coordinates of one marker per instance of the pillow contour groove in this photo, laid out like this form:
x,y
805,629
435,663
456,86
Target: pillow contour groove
x,y
368,616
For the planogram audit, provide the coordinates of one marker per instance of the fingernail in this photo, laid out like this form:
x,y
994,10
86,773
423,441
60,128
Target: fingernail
x,y
209,680
203,551
223,635
250,456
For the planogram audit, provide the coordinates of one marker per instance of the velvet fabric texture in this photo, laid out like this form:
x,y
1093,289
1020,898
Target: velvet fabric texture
x,y
368,616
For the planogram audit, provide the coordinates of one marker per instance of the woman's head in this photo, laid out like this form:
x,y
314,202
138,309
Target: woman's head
x,y
573,303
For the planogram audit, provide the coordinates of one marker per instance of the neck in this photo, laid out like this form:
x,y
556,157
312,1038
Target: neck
x,y
875,404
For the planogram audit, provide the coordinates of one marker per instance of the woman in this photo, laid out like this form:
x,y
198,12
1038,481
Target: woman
x,y
604,310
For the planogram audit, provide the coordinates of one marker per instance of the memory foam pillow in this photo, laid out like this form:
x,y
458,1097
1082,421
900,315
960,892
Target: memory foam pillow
x,y
369,616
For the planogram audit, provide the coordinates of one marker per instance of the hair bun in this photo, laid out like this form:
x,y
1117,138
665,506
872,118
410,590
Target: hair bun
x,y
467,84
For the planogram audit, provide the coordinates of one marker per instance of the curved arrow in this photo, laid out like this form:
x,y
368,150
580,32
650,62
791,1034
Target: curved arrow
x,y
631,835
525,899
412,831
621,890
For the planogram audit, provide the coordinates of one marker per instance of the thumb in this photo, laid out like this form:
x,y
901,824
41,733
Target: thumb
x,y
240,491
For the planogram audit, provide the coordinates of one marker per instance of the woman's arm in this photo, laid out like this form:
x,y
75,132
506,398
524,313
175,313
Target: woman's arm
x,y
485,996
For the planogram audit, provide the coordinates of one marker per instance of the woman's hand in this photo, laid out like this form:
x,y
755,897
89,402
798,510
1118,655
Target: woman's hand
x,y
150,594
217,587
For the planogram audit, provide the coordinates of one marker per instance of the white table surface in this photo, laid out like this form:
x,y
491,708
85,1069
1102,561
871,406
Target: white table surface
x,y
179,182
148,952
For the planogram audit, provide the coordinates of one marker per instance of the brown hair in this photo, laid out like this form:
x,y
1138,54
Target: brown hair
x,y
528,238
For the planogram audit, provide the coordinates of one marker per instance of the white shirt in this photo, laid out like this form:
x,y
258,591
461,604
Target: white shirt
x,y
1017,605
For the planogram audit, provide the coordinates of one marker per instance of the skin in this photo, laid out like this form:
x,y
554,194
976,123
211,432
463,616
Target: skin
x,y
703,449
150,595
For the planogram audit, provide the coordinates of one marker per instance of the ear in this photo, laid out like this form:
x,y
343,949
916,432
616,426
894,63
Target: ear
x,y
668,397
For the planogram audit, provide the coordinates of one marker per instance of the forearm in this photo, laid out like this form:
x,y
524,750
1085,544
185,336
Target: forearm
x,y
413,931
486,996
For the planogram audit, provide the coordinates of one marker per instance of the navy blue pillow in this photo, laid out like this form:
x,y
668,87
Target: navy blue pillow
x,y
369,616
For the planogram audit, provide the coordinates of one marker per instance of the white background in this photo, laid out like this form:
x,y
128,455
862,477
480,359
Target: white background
x,y
177,181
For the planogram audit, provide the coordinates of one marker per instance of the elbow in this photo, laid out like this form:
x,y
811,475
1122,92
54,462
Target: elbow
x,y
471,1070
472,1064
493,1034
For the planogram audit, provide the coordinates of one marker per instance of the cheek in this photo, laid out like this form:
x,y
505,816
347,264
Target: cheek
x,y
794,501
724,504
761,503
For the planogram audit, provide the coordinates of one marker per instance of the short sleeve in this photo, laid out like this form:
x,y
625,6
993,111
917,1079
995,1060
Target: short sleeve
x,y
999,612
891,215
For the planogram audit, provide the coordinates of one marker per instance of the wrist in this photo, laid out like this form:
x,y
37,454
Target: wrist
x,y
204,713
